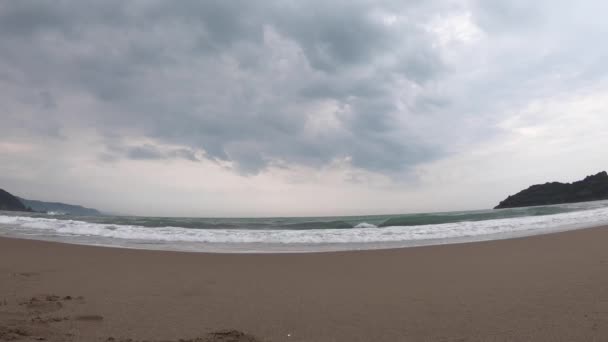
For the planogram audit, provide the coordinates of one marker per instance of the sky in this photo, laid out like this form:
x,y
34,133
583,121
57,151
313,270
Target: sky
x,y
299,108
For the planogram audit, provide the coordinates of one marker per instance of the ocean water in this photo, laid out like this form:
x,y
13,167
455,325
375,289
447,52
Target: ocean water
x,y
302,234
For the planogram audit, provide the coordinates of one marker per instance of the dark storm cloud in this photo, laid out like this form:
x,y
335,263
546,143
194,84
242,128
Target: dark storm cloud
x,y
247,82
331,38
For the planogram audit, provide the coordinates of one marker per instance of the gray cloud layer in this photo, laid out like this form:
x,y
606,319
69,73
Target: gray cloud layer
x,y
293,82
243,81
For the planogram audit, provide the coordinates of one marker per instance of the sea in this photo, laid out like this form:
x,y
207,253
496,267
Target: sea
x,y
302,234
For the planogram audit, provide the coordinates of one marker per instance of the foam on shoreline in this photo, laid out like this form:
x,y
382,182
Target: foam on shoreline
x,y
362,236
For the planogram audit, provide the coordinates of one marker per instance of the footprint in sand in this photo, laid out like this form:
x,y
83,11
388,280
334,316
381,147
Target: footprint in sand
x,y
25,274
230,336
89,318
43,304
218,336
46,303
47,320
36,320
12,334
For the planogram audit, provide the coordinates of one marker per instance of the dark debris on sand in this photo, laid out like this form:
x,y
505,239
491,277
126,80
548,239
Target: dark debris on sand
x,y
218,336
12,334
34,318
37,322
230,336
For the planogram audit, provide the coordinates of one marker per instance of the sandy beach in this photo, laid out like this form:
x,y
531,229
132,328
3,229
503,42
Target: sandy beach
x,y
542,288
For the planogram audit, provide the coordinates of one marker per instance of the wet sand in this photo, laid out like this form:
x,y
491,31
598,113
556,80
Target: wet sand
x,y
542,288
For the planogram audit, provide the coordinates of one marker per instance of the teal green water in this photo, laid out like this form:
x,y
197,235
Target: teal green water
x,y
303,234
337,222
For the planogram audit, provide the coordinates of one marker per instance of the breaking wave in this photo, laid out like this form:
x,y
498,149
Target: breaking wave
x,y
392,232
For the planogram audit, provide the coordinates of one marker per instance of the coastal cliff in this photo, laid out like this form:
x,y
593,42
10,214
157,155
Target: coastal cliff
x,y
69,209
592,188
9,202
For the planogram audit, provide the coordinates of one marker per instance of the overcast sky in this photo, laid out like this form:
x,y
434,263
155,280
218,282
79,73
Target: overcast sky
x,y
319,107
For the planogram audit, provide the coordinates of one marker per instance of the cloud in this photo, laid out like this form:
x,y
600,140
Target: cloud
x,y
114,152
240,81
388,88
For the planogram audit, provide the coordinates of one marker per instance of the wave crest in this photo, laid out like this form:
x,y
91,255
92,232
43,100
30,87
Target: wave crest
x,y
134,235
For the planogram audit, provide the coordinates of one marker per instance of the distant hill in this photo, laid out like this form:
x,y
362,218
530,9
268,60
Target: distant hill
x,y
69,209
10,203
592,188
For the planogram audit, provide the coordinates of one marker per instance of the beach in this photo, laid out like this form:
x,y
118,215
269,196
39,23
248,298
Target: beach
x,y
550,287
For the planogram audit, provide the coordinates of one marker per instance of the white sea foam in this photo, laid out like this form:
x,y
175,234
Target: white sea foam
x,y
365,225
360,236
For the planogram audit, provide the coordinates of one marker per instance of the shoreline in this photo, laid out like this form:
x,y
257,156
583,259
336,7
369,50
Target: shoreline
x,y
296,241
548,287
278,249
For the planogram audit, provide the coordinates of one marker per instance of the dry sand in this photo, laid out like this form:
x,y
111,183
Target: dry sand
x,y
543,288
